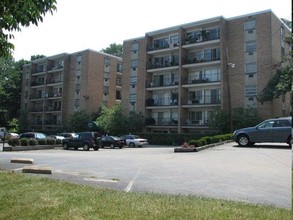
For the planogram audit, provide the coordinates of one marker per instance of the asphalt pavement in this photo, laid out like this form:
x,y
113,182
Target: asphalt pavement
x,y
258,175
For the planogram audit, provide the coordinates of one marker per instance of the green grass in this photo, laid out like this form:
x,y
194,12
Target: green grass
x,y
28,197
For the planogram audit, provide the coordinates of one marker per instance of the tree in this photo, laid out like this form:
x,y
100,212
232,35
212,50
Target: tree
x,y
112,120
15,14
10,89
114,49
281,82
77,121
135,122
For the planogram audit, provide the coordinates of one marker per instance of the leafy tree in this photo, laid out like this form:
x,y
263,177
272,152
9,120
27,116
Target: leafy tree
x,y
135,122
77,121
10,89
112,120
114,49
220,120
281,82
36,57
15,14
244,117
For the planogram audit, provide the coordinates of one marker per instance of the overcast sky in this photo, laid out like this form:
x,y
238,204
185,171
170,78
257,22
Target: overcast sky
x,y
95,24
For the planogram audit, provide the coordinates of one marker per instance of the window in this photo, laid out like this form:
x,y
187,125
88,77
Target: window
x,y
174,40
250,68
250,47
212,54
133,80
212,75
119,68
134,63
161,43
106,61
132,97
250,91
249,25
134,47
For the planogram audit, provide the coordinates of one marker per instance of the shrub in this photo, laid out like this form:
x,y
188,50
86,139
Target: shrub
x,y
51,141
14,141
42,141
23,142
33,142
195,143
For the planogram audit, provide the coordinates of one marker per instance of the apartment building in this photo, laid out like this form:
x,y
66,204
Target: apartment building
x,y
178,76
55,87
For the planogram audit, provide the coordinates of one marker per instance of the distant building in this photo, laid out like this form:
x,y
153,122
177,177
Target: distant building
x,y
178,76
55,87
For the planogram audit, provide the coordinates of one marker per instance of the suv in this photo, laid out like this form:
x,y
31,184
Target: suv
x,y
36,135
86,140
277,130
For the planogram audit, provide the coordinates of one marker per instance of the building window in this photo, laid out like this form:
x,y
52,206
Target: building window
x,y
133,80
134,64
250,68
134,47
250,47
119,68
132,98
118,95
250,25
106,61
250,91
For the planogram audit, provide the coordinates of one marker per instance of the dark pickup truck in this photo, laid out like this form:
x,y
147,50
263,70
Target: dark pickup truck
x,y
86,140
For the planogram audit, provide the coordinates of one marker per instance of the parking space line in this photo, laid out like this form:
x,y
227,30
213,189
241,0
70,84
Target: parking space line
x,y
130,184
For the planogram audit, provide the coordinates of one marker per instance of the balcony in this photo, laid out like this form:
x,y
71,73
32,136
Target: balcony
x,y
186,81
52,108
37,83
162,121
36,109
159,65
207,100
161,102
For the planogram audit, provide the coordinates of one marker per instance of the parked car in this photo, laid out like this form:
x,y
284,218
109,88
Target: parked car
x,y
36,135
111,141
68,135
12,135
134,140
86,140
277,130
57,137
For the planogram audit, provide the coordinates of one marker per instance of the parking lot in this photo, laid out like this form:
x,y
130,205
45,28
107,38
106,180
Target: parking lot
x,y
259,174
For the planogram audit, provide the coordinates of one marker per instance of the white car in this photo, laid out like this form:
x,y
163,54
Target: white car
x,y
134,140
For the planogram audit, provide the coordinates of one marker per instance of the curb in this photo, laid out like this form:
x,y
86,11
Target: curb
x,y
197,149
22,160
37,169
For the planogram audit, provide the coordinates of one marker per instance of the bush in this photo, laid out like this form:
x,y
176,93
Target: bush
x,y
23,142
210,140
14,141
42,141
33,142
51,141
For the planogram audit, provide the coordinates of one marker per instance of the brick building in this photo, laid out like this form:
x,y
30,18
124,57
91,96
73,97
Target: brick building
x,y
178,76
55,87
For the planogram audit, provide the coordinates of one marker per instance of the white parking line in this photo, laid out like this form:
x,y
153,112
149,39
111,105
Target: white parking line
x,y
129,187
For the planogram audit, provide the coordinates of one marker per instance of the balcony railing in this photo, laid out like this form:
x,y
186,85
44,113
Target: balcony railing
x,y
196,122
162,65
161,102
162,83
187,81
164,121
204,101
200,59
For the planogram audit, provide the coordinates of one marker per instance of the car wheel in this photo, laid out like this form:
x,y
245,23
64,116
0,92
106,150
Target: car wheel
x,y
96,148
112,146
131,144
65,146
86,147
243,140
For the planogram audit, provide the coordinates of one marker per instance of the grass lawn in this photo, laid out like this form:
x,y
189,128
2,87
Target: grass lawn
x,y
28,197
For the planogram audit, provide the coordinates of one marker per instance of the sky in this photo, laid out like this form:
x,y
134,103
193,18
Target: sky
x,y
90,24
